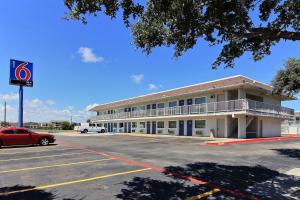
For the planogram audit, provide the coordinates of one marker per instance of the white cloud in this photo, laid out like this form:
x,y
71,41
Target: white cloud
x,y
9,97
137,78
152,87
50,102
87,55
38,110
88,107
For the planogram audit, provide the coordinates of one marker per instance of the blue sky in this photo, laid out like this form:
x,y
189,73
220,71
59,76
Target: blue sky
x,y
78,65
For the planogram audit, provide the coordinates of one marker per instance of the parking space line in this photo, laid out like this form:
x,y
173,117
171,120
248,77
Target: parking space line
x,y
58,165
23,152
38,157
205,194
74,182
158,169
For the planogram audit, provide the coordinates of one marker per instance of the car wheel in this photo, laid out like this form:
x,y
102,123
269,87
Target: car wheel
x,y
0,144
102,131
85,131
44,141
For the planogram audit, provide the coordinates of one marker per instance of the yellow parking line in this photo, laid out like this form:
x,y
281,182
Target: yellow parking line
x,y
23,152
74,182
50,166
39,157
205,194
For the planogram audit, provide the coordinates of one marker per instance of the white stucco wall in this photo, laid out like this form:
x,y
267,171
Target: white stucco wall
x,y
271,127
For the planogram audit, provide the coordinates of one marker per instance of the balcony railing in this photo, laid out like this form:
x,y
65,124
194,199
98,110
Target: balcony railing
x,y
205,108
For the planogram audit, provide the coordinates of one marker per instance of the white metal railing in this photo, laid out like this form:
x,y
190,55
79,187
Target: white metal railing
x,y
205,108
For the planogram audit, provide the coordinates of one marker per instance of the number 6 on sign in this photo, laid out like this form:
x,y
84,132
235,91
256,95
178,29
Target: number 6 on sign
x,y
21,73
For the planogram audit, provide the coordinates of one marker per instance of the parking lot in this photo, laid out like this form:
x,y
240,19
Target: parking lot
x,y
150,168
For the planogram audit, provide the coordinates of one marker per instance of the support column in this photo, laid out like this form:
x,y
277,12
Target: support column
x,y
242,126
226,127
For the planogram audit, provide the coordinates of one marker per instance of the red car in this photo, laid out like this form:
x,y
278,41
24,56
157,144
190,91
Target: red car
x,y
23,136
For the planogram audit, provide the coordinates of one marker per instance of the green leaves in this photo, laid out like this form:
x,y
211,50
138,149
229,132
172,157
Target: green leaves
x,y
181,23
287,81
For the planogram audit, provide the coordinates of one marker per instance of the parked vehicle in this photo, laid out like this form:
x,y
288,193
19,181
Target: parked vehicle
x,y
90,127
23,136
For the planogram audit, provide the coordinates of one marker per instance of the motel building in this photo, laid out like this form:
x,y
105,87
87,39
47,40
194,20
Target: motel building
x,y
233,107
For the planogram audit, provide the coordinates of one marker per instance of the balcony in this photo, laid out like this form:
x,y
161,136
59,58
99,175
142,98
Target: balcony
x,y
243,106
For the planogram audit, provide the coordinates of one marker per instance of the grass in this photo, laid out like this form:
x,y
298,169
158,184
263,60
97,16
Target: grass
x,y
52,131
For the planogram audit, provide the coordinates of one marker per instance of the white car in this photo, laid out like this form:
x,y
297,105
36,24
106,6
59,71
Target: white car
x,y
90,127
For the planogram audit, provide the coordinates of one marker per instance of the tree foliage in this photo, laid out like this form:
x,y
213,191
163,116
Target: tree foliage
x,y
239,26
287,80
66,125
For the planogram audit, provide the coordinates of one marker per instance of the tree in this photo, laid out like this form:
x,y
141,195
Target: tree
x,y
4,124
239,26
65,125
287,81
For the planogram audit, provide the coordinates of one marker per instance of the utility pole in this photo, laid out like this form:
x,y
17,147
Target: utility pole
x,y
4,112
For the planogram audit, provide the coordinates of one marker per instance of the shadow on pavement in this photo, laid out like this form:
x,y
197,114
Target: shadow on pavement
x,y
293,153
235,182
30,195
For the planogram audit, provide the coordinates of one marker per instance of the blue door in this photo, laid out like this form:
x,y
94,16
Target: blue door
x,y
148,110
153,110
189,127
189,102
181,103
148,127
181,127
108,127
153,127
129,127
125,127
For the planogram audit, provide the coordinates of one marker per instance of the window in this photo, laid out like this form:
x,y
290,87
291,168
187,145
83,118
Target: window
x,y
160,125
121,125
142,108
8,132
115,125
160,105
142,125
20,131
134,108
173,104
200,100
172,124
200,124
133,124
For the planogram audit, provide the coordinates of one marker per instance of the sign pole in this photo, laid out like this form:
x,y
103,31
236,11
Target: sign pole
x,y
4,112
21,106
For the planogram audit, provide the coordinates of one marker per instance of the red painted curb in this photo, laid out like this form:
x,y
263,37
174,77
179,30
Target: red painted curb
x,y
189,178
252,140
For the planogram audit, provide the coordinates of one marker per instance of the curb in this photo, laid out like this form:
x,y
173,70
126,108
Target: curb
x,y
252,140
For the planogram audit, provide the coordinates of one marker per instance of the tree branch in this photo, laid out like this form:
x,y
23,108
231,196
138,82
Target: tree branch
x,y
273,34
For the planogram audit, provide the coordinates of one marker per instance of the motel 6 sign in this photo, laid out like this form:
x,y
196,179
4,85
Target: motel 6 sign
x,y
21,73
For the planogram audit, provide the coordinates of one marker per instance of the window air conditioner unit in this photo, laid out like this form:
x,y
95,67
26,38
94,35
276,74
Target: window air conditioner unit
x,y
199,132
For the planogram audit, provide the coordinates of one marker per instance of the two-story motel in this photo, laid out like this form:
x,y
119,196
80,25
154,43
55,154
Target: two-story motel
x,y
235,107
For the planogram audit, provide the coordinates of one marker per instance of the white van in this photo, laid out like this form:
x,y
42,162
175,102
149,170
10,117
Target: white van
x,y
90,127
